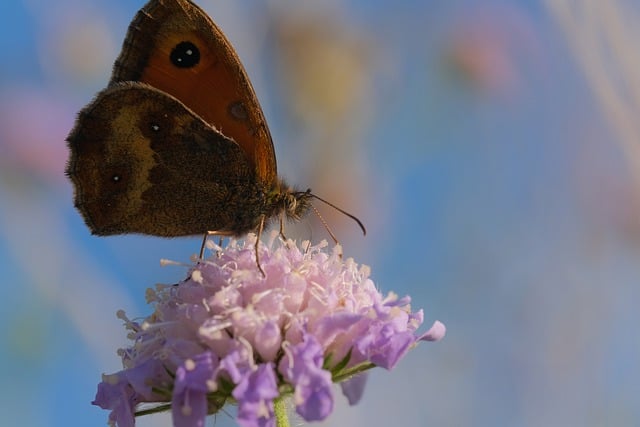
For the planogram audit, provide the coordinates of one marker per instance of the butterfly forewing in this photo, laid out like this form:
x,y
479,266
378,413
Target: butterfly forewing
x,y
175,47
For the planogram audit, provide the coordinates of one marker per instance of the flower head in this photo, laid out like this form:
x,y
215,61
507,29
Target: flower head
x,y
227,333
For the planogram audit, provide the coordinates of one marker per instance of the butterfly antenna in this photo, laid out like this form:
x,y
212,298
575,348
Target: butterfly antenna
x,y
326,226
342,211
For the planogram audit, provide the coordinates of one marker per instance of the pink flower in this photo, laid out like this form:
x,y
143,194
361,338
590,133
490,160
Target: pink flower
x,y
230,333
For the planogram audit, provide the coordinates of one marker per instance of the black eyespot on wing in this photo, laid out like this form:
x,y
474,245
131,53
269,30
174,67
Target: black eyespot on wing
x,y
185,55
156,125
115,178
238,111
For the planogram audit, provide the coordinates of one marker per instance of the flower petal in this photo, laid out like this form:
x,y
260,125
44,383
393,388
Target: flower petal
x,y
116,394
353,388
302,367
435,333
194,379
255,394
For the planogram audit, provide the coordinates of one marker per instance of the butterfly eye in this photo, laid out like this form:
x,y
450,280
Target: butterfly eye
x,y
185,55
116,178
155,127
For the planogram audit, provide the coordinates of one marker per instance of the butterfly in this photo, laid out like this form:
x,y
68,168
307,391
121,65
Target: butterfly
x,y
177,144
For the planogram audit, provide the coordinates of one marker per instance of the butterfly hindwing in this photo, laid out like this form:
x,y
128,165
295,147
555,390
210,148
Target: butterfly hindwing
x,y
140,159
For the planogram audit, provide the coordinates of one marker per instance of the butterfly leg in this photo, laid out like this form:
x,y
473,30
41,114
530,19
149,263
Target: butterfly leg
x,y
257,245
222,234
282,236
204,242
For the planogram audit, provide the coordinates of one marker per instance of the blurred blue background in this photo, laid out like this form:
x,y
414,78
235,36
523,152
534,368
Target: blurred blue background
x,y
492,149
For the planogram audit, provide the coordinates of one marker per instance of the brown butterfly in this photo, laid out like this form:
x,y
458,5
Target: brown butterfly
x,y
177,144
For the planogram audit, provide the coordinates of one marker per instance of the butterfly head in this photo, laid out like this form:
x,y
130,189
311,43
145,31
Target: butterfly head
x,y
296,203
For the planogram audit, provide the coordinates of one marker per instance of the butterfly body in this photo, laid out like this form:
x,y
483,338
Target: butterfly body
x,y
177,144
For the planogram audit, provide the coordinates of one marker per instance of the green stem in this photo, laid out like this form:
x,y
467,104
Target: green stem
x,y
280,409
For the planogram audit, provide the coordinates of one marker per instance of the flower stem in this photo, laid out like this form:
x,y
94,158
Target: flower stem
x,y
280,410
